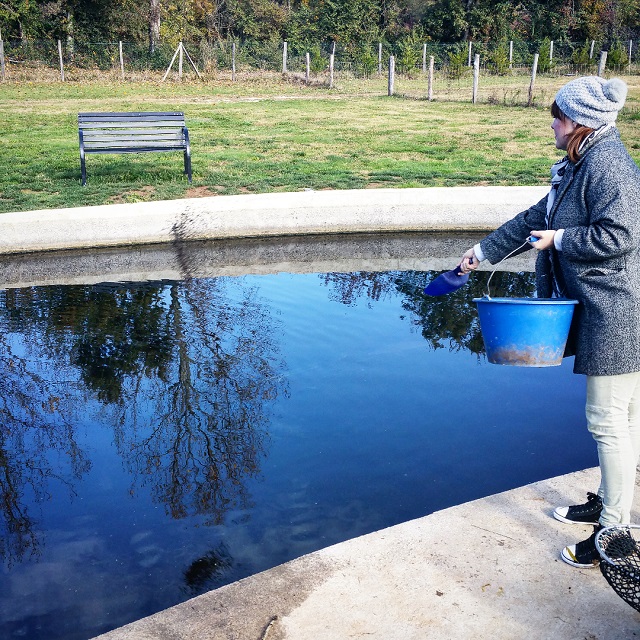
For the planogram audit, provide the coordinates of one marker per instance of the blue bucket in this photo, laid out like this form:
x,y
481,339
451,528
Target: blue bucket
x,y
525,332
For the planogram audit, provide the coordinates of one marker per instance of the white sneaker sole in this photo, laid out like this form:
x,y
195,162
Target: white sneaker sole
x,y
558,516
568,557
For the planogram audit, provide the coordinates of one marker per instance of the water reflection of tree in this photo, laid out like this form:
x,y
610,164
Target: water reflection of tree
x,y
36,405
208,571
451,319
196,433
185,373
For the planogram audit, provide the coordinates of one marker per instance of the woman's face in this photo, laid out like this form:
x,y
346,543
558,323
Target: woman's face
x,y
563,128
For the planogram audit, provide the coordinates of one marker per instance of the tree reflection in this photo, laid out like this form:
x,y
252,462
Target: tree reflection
x,y
35,421
450,320
196,433
208,571
185,372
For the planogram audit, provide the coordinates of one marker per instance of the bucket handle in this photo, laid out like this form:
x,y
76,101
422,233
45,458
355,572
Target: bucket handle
x,y
529,240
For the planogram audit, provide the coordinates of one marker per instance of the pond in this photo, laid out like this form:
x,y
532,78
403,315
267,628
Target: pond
x,y
166,436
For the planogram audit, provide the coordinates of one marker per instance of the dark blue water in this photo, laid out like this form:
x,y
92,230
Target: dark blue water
x,y
162,439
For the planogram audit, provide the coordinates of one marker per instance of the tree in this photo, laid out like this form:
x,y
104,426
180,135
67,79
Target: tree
x,y
154,25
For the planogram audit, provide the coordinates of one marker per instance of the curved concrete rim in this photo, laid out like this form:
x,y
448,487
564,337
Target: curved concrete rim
x,y
265,215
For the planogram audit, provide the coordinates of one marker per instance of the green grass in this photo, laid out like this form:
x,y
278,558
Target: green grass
x,y
273,136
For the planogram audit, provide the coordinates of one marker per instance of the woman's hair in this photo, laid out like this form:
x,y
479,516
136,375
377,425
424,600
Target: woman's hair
x,y
576,138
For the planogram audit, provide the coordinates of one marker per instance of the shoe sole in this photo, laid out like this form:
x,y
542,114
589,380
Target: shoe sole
x,y
577,565
567,521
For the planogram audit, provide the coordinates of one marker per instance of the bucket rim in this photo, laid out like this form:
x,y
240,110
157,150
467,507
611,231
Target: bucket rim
x,y
541,301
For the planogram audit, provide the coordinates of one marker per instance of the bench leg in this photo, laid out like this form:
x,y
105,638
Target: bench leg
x,y
83,170
187,165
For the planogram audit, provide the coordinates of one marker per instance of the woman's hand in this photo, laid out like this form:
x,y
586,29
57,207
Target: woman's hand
x,y
545,239
469,262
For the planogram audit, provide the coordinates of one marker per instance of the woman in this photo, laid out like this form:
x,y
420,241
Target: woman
x,y
588,238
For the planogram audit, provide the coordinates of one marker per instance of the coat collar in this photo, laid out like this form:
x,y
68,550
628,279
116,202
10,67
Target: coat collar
x,y
570,171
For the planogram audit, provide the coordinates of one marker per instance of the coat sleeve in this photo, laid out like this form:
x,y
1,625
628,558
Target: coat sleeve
x,y
611,196
512,234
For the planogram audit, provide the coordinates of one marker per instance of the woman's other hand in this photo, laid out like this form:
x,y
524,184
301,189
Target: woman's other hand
x,y
544,239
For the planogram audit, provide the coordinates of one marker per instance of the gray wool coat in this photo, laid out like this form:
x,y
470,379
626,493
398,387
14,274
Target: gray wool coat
x,y
598,206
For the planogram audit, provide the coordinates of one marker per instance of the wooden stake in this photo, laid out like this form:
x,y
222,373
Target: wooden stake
x,y
603,63
121,60
392,73
191,62
233,62
61,61
331,62
476,76
534,71
2,67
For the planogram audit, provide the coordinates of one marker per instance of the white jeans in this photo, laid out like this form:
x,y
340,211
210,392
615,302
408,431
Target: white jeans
x,y
613,418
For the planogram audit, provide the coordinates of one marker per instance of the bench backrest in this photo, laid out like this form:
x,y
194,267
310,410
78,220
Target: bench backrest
x,y
152,131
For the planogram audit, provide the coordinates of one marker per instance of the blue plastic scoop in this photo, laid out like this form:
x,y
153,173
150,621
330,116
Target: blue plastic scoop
x,y
447,282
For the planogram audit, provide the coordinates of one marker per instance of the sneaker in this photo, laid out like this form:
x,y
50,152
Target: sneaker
x,y
587,513
583,555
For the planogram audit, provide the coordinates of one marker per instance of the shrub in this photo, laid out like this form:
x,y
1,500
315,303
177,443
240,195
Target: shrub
x,y
498,59
545,63
617,56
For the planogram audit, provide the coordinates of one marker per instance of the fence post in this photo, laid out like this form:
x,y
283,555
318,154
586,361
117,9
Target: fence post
x,y
532,84
331,63
180,56
233,62
430,84
379,58
424,58
551,51
308,70
476,75
511,54
2,67
603,62
591,50
284,57
630,47
469,61
61,61
392,73
121,60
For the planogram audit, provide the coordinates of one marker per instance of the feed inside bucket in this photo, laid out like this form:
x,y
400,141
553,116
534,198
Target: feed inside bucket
x,y
525,332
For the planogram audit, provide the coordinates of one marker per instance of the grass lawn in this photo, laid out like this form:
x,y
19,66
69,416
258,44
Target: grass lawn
x,y
259,135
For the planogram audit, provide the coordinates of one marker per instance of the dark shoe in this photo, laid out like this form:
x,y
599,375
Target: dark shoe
x,y
583,555
587,513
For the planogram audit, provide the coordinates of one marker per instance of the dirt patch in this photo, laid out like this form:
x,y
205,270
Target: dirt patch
x,y
201,192
139,195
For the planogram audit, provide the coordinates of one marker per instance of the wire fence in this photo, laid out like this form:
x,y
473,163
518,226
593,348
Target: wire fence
x,y
449,68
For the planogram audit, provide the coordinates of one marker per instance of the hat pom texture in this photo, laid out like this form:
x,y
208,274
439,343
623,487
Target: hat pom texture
x,y
592,101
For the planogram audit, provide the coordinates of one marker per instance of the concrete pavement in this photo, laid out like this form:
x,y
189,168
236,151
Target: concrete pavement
x,y
488,569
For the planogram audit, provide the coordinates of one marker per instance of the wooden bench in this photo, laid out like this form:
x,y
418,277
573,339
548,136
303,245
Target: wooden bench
x,y
139,132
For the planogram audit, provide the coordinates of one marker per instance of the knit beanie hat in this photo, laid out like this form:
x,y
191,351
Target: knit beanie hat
x,y
592,101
